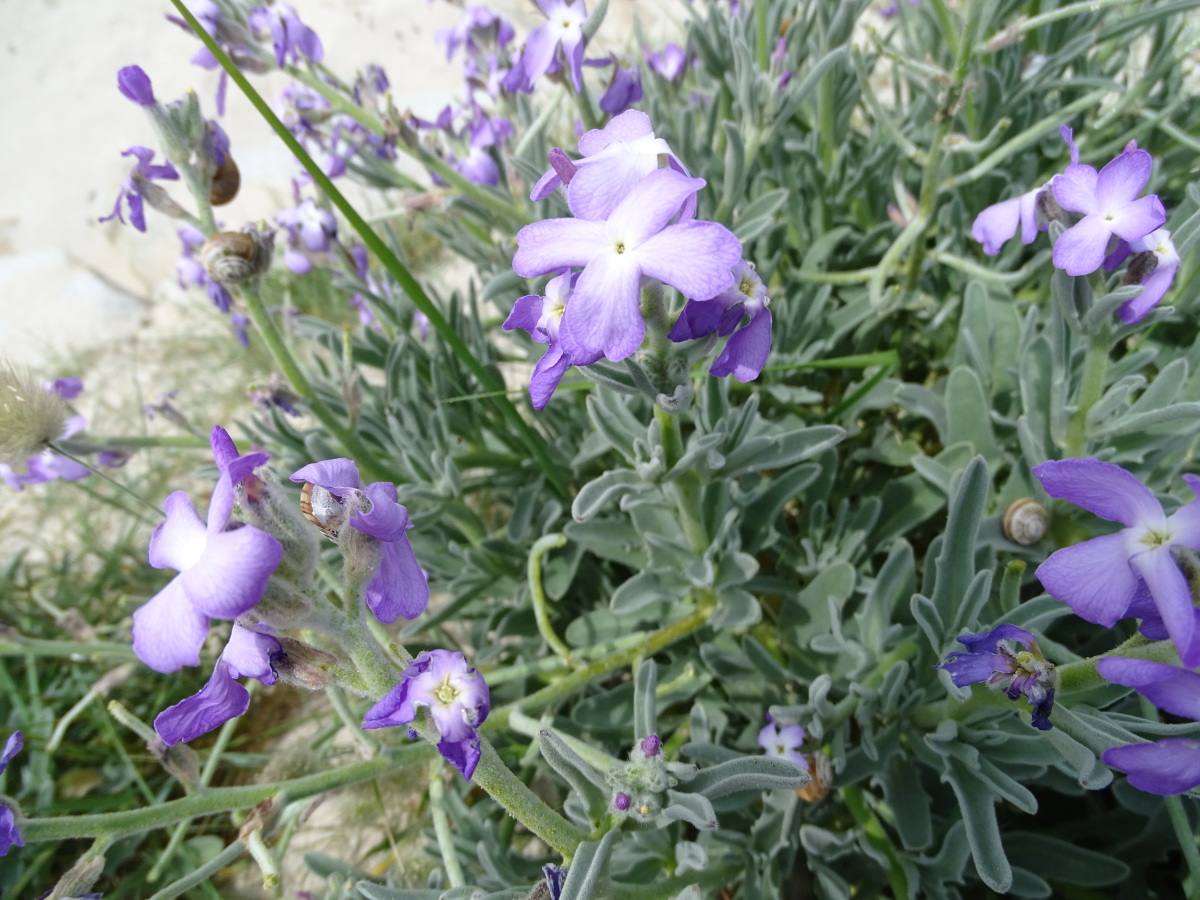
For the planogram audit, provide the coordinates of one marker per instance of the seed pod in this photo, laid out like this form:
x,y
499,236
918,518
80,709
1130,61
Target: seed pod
x,y
231,257
1025,522
225,183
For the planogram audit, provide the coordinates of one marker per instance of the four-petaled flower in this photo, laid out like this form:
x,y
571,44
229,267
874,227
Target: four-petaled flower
x,y
1109,203
137,184
10,835
222,573
1100,578
457,699
375,545
291,38
746,351
783,742
564,29
1153,262
989,660
311,229
249,653
635,240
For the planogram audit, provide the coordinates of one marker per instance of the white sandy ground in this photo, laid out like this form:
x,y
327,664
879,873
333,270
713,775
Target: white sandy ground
x,y
99,299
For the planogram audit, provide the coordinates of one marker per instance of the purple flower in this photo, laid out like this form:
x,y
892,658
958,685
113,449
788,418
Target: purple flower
x,y
615,159
457,699
10,836
395,585
249,653
989,660
67,388
241,328
1099,579
478,26
135,85
1110,206
669,62
652,745
1168,687
624,90
1169,766
622,801
1153,262
556,877
541,317
635,240
137,183
310,229
564,29
222,573
783,742
746,351
290,37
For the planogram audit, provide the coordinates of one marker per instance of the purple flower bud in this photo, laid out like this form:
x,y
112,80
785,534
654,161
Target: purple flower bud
x,y
622,801
10,836
651,745
135,84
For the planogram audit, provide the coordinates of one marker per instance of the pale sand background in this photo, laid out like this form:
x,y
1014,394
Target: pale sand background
x,y
68,281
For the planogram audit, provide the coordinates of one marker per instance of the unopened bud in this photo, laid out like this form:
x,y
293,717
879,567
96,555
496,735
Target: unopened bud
x,y
622,801
180,761
304,666
651,745
81,876
157,197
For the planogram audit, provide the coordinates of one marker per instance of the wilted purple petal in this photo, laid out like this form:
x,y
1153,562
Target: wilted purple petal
x,y
387,520
220,700
747,350
1168,687
1169,766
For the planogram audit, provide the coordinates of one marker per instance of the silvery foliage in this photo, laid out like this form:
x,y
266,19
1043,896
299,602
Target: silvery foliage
x,y
855,515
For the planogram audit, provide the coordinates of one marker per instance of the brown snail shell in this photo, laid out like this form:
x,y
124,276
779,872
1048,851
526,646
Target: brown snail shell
x,y
1025,522
225,183
820,769
323,509
231,257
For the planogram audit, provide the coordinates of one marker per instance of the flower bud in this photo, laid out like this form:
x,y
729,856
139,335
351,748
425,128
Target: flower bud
x,y
651,745
134,83
233,257
622,801
30,417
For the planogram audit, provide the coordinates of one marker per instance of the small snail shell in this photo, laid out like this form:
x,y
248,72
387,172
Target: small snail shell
x,y
1025,522
225,183
231,257
820,769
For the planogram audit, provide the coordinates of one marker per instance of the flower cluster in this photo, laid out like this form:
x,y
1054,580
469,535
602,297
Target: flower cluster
x,y
634,226
784,742
1105,221
990,660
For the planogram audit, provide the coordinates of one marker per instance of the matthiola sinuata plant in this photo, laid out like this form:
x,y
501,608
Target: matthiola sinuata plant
x,y
906,607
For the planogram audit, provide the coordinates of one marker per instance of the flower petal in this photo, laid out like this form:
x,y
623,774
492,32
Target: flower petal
x,y
1081,249
997,224
698,258
399,587
220,700
1138,219
746,351
554,244
1102,488
168,631
1119,182
387,520
546,376
1169,766
250,653
653,202
1093,578
1168,687
10,835
331,474
604,313
628,126
229,579
179,540
1173,598
1075,189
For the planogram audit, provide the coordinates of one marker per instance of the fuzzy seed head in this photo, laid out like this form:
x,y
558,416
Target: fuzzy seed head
x,y
30,416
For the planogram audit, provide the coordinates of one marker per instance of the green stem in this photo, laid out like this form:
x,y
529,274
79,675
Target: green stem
x,y
523,804
1008,35
92,651
290,367
58,448
397,269
712,877
538,595
1091,387
1080,676
441,824
1186,836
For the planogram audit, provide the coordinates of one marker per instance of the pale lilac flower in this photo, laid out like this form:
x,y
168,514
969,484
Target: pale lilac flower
x,y
783,742
10,835
68,388
241,328
1169,766
624,90
290,37
249,653
222,573
541,317
746,352
456,696
136,183
478,27
310,229
1109,203
635,240
563,30
1099,578
395,585
1153,262
615,159
669,62
208,14
134,83
989,660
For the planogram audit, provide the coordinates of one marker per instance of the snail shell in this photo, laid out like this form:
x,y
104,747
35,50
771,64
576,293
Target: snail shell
x,y
231,257
1025,522
323,509
225,183
821,771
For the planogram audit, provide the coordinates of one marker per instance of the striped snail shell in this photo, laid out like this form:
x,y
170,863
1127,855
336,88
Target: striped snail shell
x,y
1025,522
231,257
225,183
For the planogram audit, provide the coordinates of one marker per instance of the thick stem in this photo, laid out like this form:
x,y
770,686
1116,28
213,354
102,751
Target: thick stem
x,y
1091,387
684,490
